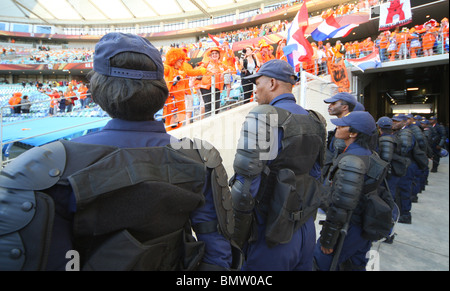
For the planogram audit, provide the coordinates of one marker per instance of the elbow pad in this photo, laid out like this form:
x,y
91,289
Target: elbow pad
x,y
243,204
349,182
387,147
258,141
406,141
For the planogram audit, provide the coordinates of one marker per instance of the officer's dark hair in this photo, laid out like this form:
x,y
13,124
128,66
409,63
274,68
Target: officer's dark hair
x,y
129,99
362,139
351,106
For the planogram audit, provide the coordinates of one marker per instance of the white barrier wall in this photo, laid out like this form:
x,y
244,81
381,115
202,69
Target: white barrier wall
x,y
221,130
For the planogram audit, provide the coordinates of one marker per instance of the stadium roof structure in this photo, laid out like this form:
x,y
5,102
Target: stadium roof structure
x,y
90,12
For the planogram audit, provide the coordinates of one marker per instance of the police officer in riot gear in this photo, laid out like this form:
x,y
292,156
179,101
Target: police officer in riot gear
x,y
438,141
277,167
339,105
405,185
422,144
346,181
126,197
389,150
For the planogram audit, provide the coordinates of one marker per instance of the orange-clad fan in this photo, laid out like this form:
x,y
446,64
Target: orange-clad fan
x,y
14,101
230,61
403,42
264,54
70,98
280,53
392,48
429,37
175,73
82,92
214,66
54,96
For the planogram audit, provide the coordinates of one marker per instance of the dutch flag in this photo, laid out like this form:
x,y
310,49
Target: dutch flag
x,y
331,29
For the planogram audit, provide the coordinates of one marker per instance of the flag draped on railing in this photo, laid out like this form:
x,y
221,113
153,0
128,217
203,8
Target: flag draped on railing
x,y
370,61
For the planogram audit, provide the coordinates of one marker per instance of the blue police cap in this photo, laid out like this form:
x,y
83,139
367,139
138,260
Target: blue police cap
x,y
362,121
384,122
114,43
342,96
277,69
399,117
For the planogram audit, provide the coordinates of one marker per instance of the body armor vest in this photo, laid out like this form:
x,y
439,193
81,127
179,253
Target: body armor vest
x,y
133,205
288,196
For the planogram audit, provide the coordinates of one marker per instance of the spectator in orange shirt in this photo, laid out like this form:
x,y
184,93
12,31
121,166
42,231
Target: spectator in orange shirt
x,y
280,53
71,97
229,60
337,52
403,39
368,46
445,33
329,52
14,101
54,96
428,40
214,67
176,71
264,54
392,48
82,91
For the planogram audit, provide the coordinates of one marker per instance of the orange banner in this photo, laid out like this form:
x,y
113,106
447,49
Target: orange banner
x,y
338,73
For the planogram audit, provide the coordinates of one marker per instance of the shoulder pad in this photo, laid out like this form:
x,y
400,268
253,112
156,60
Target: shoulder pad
x,y
264,109
353,163
36,169
209,154
386,138
406,132
317,115
269,111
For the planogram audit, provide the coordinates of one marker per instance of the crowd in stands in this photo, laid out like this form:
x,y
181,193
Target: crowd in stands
x,y
51,98
39,56
194,85
44,54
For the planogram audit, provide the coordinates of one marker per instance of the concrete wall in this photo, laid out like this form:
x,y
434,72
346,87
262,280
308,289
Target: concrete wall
x,y
221,130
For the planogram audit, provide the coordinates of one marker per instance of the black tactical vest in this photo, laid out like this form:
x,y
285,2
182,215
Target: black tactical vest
x,y
133,205
288,196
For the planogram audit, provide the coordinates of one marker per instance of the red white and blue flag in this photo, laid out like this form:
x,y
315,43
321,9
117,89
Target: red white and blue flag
x,y
370,61
298,49
331,29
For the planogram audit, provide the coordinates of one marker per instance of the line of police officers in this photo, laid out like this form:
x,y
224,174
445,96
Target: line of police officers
x,y
407,142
